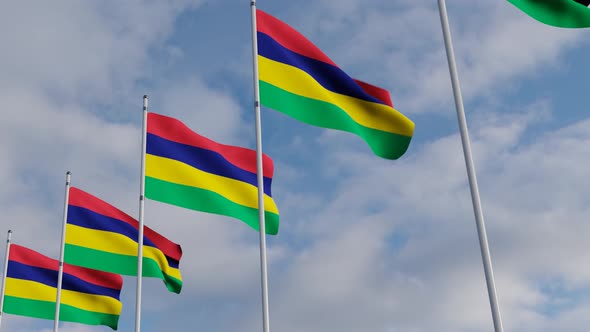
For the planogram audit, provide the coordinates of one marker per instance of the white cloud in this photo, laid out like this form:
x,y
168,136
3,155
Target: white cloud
x,y
354,276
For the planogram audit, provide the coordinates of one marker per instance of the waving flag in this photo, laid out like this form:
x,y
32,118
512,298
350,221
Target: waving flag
x,y
298,79
186,169
102,237
88,296
559,13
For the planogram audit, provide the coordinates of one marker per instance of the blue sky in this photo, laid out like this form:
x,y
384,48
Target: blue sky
x,y
365,244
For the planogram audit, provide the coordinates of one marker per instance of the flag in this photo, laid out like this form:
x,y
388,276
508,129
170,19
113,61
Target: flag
x,y
87,296
559,13
298,79
186,169
102,237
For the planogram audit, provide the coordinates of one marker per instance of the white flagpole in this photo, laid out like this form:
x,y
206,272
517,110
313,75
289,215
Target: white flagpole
x,y
141,208
61,254
477,209
263,269
4,275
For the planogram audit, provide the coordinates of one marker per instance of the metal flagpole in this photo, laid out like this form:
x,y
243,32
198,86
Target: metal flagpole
x,y
141,208
260,177
61,253
481,229
4,275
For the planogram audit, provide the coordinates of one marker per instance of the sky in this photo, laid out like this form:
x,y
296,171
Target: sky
x,y
365,244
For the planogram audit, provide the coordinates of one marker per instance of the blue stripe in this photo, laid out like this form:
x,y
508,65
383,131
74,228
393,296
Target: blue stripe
x,y
86,218
329,76
48,277
202,159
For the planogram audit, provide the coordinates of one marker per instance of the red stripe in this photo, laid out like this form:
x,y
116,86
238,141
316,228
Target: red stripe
x,y
288,37
176,131
376,92
30,257
85,200
100,278
168,247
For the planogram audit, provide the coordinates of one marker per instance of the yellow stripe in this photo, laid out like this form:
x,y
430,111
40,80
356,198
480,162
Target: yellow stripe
x,y
37,291
365,113
116,244
180,173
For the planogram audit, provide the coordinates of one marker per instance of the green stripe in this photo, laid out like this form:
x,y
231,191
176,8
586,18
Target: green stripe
x,y
559,13
207,201
120,264
326,115
46,310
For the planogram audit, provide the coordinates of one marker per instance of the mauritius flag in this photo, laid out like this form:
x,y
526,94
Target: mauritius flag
x,y
87,296
299,80
99,236
559,13
186,169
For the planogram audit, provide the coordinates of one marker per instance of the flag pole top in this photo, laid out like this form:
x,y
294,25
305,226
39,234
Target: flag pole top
x,y
145,102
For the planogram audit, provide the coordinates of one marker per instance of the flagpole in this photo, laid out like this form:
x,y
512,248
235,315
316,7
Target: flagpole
x,y
477,209
4,273
260,177
141,209
61,253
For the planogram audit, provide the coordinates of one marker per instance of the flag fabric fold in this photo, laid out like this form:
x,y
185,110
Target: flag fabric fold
x,y
188,170
88,296
298,79
102,237
559,13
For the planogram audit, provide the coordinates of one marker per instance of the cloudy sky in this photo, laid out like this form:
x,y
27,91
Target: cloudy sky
x,y
365,244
